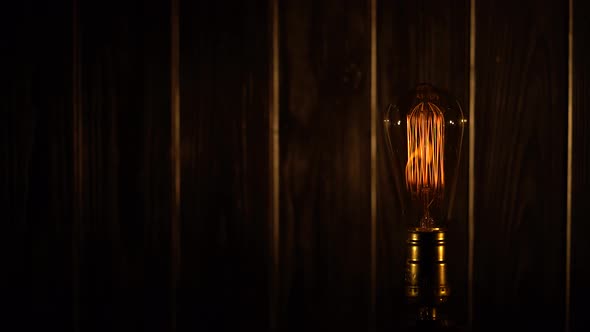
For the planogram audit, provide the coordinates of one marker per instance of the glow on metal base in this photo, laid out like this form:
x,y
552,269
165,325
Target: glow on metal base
x,y
427,289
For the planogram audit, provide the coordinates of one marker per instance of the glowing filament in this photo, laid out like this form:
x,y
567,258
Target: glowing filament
x,y
425,167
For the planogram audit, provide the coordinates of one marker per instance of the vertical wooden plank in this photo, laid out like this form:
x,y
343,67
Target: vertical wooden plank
x,y
35,166
17,135
569,167
77,165
155,176
125,169
521,111
175,161
274,162
375,121
325,165
224,124
580,209
471,163
419,41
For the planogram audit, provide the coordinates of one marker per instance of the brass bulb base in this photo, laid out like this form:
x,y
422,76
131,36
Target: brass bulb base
x,y
427,290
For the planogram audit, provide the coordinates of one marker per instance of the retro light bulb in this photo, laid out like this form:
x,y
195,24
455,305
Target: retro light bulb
x,y
424,135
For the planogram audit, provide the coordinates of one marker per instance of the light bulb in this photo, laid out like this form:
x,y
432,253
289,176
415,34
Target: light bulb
x,y
424,135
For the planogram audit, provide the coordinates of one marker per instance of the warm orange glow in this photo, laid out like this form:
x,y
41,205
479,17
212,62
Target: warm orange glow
x,y
425,167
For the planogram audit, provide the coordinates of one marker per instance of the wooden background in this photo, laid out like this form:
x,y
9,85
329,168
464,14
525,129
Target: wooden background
x,y
94,240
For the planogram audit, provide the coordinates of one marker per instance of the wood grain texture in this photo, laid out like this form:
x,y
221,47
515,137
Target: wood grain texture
x,y
108,269
520,165
324,166
225,173
419,41
580,271
125,175
35,185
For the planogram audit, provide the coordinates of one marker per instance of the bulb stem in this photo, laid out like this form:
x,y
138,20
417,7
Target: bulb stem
x,y
426,222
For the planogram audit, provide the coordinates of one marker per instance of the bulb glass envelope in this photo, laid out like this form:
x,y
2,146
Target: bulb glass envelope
x,y
424,132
